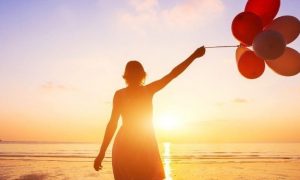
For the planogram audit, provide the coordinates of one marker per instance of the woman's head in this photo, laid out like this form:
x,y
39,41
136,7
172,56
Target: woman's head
x,y
134,73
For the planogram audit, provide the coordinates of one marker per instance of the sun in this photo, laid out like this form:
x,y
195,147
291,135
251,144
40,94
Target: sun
x,y
167,122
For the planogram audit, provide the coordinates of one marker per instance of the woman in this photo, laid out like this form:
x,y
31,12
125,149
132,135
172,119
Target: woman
x,y
135,154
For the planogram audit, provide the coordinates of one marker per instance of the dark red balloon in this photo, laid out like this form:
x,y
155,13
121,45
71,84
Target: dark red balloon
x,y
265,9
245,26
251,66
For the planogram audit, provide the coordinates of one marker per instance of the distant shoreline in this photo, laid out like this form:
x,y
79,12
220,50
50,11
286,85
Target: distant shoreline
x,y
66,142
44,142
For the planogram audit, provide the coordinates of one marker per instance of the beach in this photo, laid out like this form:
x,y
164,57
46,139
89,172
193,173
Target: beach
x,y
181,161
233,170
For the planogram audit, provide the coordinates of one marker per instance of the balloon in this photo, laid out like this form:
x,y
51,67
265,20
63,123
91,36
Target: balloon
x,y
287,26
269,44
245,26
288,64
251,66
265,9
240,51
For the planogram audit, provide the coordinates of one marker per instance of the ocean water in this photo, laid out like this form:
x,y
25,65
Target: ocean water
x,y
75,160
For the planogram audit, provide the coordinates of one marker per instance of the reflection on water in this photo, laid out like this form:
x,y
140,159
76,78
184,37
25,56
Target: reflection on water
x,y
167,161
74,160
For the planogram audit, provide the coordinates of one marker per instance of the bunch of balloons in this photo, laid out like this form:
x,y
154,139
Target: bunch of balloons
x,y
257,27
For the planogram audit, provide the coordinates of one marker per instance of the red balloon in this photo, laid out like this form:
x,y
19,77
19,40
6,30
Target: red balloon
x,y
251,66
245,26
265,9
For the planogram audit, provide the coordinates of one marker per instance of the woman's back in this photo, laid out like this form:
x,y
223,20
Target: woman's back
x,y
135,106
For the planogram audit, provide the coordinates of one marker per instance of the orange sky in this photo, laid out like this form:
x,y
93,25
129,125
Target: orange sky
x,y
61,62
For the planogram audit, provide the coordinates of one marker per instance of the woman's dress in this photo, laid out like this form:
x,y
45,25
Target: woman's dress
x,y
135,154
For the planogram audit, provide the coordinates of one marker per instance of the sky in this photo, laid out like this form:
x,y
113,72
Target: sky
x,y
62,60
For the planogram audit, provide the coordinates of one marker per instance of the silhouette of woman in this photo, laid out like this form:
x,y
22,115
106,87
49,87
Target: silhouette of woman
x,y
135,154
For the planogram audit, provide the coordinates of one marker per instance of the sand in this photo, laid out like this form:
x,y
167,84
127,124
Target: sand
x,y
245,170
28,169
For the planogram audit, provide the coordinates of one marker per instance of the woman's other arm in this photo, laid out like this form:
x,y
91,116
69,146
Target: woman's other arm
x,y
109,132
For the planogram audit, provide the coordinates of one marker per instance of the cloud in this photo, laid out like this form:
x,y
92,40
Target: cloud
x,y
51,86
143,5
108,102
220,104
188,14
240,101
233,101
193,12
142,15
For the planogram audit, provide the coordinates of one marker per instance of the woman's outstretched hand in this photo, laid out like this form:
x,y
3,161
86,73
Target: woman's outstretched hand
x,y
97,162
199,52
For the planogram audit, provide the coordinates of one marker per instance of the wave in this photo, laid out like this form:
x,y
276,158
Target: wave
x,y
220,156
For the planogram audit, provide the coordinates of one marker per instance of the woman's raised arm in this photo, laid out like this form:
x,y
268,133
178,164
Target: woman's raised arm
x,y
159,84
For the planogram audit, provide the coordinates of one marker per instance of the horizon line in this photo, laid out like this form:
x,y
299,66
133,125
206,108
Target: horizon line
x,y
93,142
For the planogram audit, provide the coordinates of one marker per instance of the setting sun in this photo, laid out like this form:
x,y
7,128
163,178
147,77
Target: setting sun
x,y
167,122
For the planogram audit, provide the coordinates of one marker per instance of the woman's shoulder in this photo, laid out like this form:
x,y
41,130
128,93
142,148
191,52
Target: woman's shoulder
x,y
119,94
132,91
120,91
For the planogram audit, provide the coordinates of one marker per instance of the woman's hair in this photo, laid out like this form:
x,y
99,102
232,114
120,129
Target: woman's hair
x,y
134,73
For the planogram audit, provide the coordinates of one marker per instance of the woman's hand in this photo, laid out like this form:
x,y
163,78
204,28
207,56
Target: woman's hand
x,y
199,52
97,162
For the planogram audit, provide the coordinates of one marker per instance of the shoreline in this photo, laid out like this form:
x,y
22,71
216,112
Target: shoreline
x,y
16,169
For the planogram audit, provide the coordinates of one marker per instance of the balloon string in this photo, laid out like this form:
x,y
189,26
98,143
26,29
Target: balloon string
x,y
221,46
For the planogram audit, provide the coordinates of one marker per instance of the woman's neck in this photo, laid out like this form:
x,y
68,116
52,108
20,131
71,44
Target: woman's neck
x,y
134,86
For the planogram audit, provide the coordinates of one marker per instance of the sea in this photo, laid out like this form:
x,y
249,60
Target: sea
x,y
44,160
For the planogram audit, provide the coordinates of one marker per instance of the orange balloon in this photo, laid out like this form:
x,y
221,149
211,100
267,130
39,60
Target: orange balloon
x,y
286,65
240,51
250,65
287,26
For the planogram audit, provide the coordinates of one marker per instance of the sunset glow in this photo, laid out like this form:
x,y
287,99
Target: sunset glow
x,y
167,123
62,61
